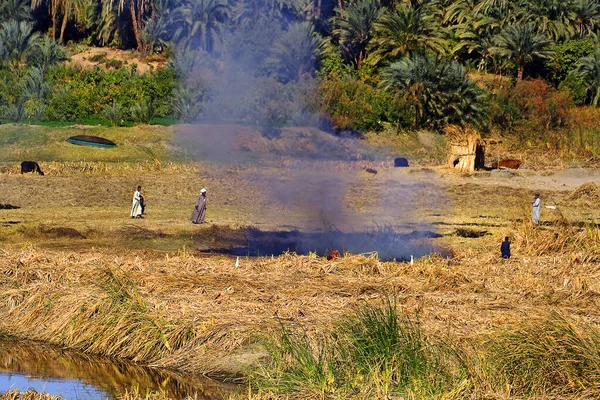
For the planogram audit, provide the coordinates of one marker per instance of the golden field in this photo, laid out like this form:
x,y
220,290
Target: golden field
x,y
78,272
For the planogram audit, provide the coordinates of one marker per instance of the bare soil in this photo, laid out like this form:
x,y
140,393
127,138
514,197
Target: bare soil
x,y
143,63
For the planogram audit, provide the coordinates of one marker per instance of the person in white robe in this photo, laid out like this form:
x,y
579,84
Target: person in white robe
x,y
535,209
136,208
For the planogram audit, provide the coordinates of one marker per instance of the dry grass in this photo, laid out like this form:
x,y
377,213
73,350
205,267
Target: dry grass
x,y
28,395
138,289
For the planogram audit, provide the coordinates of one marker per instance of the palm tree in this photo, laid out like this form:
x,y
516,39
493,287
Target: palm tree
x,y
408,30
294,54
244,10
461,11
552,17
137,10
18,39
80,11
586,17
355,25
107,26
522,44
53,7
15,9
200,23
35,85
156,32
46,54
440,91
503,12
588,69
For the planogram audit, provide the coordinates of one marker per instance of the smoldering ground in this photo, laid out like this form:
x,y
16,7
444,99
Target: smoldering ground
x,y
335,203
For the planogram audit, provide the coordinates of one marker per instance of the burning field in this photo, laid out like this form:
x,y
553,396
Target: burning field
x,y
301,257
383,243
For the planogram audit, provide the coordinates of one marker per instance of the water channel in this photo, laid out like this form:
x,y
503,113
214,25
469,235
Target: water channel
x,y
72,375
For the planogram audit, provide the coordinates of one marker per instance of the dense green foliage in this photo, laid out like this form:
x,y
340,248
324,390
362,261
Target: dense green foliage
x,y
361,63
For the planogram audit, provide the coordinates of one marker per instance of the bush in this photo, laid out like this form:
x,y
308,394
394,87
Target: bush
x,y
356,105
565,56
113,113
78,95
143,111
532,106
113,63
98,58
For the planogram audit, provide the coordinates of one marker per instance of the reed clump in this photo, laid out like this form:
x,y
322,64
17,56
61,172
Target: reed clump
x,y
381,353
374,353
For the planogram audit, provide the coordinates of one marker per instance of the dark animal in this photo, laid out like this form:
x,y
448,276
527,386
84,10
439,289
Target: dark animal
x,y
30,166
400,162
371,170
513,164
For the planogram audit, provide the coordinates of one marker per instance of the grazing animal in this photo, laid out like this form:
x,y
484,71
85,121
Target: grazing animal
x,y
513,164
400,162
30,166
371,170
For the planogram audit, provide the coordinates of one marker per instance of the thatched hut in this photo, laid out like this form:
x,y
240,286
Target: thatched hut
x,y
467,149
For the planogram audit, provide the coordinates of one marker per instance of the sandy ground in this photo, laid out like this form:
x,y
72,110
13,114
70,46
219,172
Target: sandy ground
x,y
144,63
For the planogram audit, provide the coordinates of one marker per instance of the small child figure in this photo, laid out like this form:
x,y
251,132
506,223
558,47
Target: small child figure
x,y
505,248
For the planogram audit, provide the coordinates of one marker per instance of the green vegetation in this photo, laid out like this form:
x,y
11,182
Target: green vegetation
x,y
381,352
358,64
21,142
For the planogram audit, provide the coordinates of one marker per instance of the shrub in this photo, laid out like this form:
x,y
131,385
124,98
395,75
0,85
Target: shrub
x,y
565,56
79,95
113,63
98,58
354,104
143,111
532,106
113,113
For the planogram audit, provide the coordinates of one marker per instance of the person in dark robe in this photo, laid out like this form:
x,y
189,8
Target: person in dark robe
x,y
505,248
199,209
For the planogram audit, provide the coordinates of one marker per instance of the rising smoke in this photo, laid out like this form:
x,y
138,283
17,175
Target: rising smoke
x,y
243,103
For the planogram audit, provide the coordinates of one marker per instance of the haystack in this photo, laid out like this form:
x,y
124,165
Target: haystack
x,y
588,193
467,149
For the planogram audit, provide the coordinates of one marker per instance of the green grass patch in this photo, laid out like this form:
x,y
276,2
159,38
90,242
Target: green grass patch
x,y
375,353
47,143
379,353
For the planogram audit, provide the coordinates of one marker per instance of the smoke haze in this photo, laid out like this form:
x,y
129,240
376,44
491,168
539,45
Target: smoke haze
x,y
253,96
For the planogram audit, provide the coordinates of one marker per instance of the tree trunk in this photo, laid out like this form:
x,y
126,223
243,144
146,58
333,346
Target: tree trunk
x,y
596,98
520,72
53,25
340,5
134,23
63,27
319,8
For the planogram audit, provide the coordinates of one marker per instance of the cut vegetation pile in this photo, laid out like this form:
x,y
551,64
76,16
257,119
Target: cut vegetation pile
x,y
203,314
588,193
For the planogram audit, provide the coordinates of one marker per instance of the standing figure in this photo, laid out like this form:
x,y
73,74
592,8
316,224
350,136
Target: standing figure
x,y
199,209
505,248
137,208
535,209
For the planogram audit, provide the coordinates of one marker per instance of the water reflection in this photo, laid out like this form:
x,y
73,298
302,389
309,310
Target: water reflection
x,y
76,375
